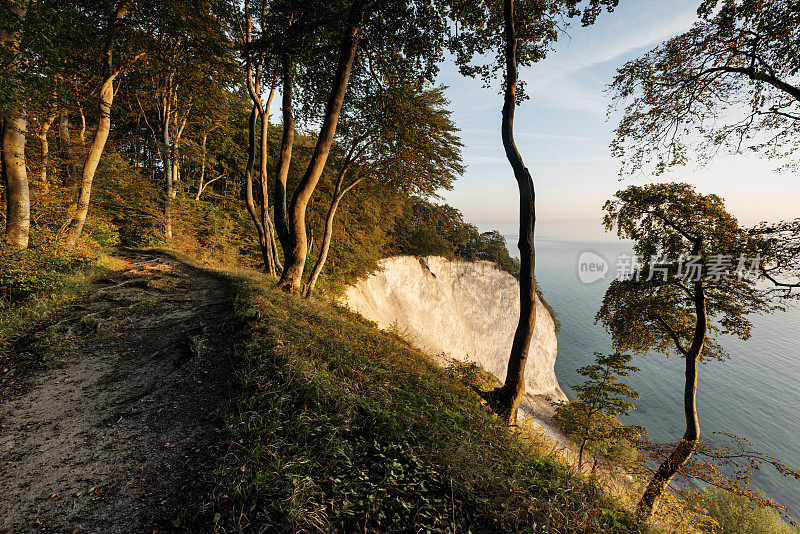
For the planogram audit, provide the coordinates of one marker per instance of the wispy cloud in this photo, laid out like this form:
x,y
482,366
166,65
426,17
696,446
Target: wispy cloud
x,y
557,80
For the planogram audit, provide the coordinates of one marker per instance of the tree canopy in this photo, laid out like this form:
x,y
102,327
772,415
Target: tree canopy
x,y
730,83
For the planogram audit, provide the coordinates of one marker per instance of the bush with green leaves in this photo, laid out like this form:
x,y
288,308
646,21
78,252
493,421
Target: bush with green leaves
x,y
28,272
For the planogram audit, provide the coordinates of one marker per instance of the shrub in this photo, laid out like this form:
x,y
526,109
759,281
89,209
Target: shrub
x,y
29,272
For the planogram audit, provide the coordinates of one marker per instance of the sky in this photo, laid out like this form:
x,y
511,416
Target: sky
x,y
563,135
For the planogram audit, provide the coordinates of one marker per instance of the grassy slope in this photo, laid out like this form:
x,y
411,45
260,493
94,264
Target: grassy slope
x,y
342,427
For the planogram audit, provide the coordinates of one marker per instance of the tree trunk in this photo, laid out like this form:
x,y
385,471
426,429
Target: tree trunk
x,y
15,124
285,158
326,240
249,200
580,454
82,131
505,400
202,168
338,194
681,454
266,221
71,168
44,129
169,185
103,128
18,205
295,255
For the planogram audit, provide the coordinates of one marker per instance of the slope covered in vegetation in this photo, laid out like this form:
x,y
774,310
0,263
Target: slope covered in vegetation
x,y
347,428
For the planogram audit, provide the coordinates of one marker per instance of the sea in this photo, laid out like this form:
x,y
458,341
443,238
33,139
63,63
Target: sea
x,y
754,395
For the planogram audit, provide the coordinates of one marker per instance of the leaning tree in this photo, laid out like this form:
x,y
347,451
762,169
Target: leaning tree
x,y
397,135
692,279
320,46
513,33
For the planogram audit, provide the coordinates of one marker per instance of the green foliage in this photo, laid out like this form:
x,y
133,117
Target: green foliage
x,y
428,229
341,427
728,84
32,272
734,514
593,416
478,40
669,223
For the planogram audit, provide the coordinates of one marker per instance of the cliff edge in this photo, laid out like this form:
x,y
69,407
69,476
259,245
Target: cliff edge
x,y
464,310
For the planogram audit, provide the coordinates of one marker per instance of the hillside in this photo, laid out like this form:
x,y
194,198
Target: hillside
x,y
332,425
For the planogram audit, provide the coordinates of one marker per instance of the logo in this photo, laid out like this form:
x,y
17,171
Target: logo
x,y
591,267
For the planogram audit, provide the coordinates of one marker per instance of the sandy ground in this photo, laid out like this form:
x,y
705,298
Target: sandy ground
x,y
107,436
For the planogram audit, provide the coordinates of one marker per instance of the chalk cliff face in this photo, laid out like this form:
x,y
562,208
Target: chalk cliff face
x,y
465,310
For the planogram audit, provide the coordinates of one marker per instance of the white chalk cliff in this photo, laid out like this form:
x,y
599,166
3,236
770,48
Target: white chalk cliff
x,y
465,310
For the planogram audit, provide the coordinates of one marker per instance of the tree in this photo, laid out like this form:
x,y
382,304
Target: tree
x,y
81,206
781,250
405,35
515,36
729,83
400,135
187,58
15,125
592,417
691,285
261,70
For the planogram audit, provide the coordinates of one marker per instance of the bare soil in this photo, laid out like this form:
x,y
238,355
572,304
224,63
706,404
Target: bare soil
x,y
109,434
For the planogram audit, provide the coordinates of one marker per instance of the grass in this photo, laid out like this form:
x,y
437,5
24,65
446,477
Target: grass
x,y
341,427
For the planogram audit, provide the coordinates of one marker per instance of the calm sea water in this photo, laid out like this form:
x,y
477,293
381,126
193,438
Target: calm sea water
x,y
755,394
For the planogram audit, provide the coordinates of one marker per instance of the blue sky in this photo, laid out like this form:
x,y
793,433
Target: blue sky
x,y
563,135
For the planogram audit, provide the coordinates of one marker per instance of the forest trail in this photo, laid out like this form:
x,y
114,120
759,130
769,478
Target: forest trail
x,y
107,439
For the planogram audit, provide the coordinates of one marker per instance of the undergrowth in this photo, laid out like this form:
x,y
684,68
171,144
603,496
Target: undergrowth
x,y
344,428
35,284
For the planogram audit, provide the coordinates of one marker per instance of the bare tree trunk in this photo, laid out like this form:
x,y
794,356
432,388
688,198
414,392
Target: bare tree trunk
x,y
15,125
505,400
71,168
285,158
200,186
44,129
261,221
295,256
18,205
684,450
103,128
266,221
249,200
82,131
168,170
338,194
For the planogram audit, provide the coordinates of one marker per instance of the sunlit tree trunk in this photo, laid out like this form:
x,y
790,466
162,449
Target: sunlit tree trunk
x,y
15,125
201,185
44,129
505,400
338,194
249,199
295,255
103,128
82,131
169,185
18,205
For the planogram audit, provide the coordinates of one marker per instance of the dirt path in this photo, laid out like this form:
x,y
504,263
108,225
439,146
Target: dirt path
x,y
107,440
